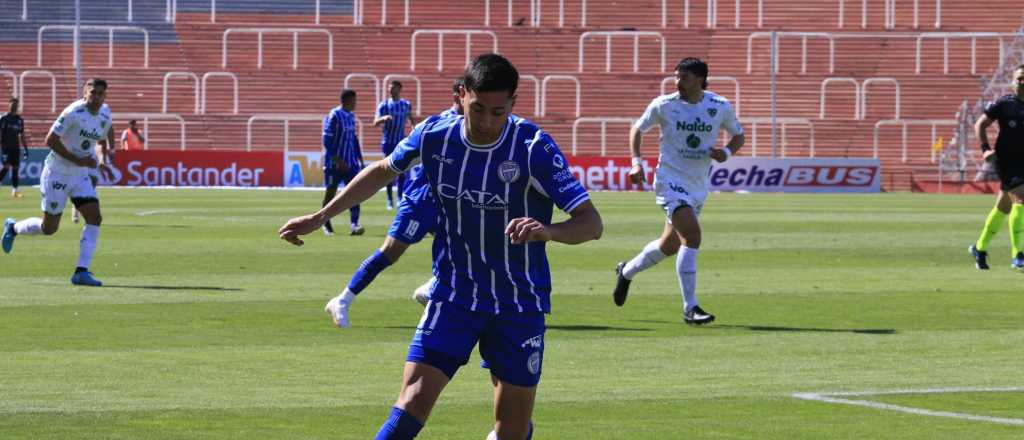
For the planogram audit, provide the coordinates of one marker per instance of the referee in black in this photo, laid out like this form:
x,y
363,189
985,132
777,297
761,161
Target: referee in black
x,y
12,140
1008,156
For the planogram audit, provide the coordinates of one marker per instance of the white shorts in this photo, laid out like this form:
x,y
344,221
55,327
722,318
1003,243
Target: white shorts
x,y
671,197
57,188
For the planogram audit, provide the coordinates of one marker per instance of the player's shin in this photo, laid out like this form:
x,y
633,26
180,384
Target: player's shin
x,y
992,225
399,426
87,245
1017,227
686,266
29,226
649,256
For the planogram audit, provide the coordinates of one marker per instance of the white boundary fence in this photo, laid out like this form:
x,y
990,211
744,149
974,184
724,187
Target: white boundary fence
x,y
608,46
468,33
110,39
259,31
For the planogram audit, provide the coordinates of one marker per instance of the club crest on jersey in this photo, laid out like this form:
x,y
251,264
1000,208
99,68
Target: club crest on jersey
x,y
558,161
86,145
508,171
533,363
693,141
712,112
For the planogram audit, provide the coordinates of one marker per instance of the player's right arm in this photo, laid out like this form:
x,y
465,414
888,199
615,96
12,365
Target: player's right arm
x,y
370,180
651,116
981,131
379,118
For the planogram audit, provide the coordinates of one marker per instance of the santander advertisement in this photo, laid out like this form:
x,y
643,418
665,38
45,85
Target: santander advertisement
x,y
744,174
196,168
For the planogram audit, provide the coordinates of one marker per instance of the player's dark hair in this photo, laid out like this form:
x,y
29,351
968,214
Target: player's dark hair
x,y
132,122
696,67
396,82
97,82
13,100
458,84
347,94
491,72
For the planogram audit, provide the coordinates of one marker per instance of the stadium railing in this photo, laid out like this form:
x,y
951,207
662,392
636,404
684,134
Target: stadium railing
x,y
259,31
357,12
864,94
287,119
203,89
889,14
538,107
195,88
146,117
468,33
608,46
544,92
945,36
753,123
603,121
37,72
110,44
904,124
14,82
803,38
857,110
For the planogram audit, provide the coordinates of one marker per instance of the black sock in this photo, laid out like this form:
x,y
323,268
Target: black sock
x,y
14,177
81,269
3,173
328,227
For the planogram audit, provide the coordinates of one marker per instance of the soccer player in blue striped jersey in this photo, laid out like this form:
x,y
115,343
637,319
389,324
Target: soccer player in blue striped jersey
x,y
343,157
391,116
416,217
496,180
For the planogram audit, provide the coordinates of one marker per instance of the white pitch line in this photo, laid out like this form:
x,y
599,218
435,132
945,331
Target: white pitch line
x,y
832,398
155,211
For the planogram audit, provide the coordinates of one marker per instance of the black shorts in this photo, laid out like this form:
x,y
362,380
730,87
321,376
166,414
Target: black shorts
x,y
1011,174
11,157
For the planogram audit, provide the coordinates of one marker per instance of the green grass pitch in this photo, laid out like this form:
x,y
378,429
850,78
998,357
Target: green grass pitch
x,y
210,327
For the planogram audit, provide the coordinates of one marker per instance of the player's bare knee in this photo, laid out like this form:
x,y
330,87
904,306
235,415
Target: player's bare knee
x,y
50,229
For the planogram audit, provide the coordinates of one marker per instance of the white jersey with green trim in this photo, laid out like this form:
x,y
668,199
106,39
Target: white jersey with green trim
x,y
688,134
79,130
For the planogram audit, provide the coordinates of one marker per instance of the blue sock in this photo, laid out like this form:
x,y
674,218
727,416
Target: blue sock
x,y
353,215
401,186
371,267
399,426
390,198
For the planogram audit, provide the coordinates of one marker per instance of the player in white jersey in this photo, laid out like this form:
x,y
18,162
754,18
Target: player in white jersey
x,y
72,141
107,145
690,120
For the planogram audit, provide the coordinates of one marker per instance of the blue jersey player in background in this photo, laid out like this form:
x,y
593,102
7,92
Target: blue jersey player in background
x,y
495,180
391,116
343,157
416,217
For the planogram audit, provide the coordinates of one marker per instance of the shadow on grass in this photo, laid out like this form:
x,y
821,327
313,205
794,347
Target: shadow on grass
x,y
595,328
770,328
219,289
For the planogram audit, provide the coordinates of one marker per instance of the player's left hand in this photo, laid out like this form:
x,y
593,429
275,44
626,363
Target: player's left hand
x,y
107,173
523,229
297,226
718,154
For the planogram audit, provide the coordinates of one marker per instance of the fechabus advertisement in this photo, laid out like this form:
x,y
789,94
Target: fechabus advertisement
x,y
196,168
744,174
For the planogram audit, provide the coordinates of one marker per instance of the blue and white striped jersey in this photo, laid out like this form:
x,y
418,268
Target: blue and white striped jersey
x,y
478,189
417,179
340,140
394,130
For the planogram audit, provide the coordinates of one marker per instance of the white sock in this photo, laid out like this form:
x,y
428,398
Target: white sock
x,y
87,246
686,265
346,297
29,226
649,256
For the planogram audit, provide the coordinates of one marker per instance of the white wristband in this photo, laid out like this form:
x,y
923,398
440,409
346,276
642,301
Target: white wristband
x,y
728,152
637,160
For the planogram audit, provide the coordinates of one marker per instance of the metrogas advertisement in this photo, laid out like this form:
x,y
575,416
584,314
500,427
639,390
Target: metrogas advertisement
x,y
744,174
30,169
196,168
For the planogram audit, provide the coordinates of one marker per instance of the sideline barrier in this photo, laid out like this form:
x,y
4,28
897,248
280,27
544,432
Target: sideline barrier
x,y
196,168
743,174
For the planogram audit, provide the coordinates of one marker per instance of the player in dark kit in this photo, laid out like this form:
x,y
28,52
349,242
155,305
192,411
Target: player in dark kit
x,y
1009,158
12,140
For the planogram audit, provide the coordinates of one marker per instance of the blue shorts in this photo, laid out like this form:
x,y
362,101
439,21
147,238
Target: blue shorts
x,y
511,345
416,217
334,177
